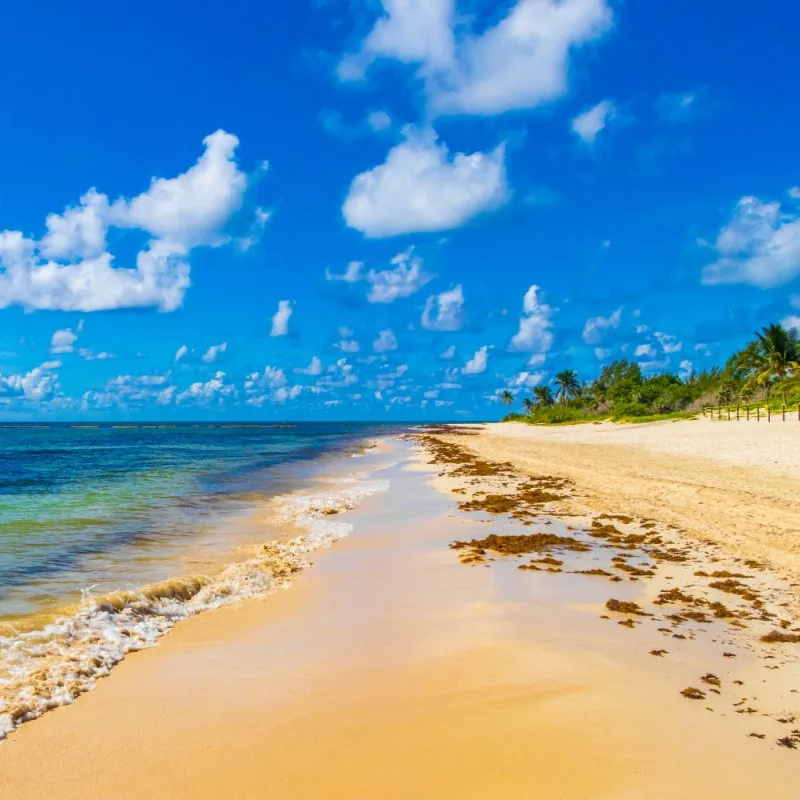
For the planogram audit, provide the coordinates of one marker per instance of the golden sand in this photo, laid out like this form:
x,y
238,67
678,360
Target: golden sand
x,y
392,670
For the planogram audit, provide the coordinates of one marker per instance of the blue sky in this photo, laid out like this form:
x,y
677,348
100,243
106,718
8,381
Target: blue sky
x,y
385,209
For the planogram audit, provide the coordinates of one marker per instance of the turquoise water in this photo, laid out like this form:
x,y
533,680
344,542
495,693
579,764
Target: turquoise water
x,y
111,535
109,507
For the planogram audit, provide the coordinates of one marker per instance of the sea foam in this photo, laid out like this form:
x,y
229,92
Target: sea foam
x,y
46,668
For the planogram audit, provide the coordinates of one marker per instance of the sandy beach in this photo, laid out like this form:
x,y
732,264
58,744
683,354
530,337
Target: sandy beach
x,y
401,666
737,484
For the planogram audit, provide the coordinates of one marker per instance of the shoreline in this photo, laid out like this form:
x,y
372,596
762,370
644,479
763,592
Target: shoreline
x,y
48,659
398,667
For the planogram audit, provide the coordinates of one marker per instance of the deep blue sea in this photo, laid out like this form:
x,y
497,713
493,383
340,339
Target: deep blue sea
x,y
114,505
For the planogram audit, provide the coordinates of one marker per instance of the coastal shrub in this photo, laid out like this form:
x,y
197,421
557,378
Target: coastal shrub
x,y
766,373
632,410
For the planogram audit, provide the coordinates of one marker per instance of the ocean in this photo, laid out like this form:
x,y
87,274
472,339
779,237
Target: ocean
x,y
110,534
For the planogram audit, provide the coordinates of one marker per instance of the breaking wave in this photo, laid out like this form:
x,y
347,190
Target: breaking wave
x,y
46,668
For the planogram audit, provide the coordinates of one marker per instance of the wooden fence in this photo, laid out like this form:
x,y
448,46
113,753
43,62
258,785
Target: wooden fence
x,y
751,414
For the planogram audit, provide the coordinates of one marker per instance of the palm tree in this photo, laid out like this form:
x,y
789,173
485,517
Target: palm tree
x,y
543,395
568,385
774,357
528,405
506,398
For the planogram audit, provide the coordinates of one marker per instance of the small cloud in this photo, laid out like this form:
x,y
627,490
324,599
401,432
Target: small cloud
x,y
535,326
444,312
645,350
211,354
405,279
669,343
351,275
90,355
595,326
588,125
314,368
280,319
477,364
347,346
181,352
679,107
448,353
379,121
386,341
62,341
792,321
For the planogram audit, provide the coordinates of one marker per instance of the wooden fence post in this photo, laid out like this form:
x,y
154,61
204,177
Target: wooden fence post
x,y
758,413
748,413
737,412
783,414
769,414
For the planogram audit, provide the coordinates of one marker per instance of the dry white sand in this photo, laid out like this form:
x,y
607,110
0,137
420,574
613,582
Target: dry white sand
x,y
734,483
771,445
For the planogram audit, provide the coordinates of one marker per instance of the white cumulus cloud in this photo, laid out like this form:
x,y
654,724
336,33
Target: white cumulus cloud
x,y
406,278
535,333
595,326
477,364
444,312
280,319
351,275
71,269
314,368
181,352
206,392
521,61
386,341
63,340
669,344
420,188
759,246
211,354
588,125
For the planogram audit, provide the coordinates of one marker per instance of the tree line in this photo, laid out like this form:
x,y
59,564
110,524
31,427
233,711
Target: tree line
x,y
767,369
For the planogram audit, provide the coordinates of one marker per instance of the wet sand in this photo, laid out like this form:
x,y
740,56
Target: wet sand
x,y
392,670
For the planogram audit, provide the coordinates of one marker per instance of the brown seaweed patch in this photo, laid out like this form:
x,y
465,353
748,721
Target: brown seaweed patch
x,y
780,637
626,607
596,571
673,596
521,544
711,679
667,555
731,586
632,570
659,653
721,611
720,574
693,694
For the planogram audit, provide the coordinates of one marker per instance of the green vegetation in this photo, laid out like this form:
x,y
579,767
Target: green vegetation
x,y
766,373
